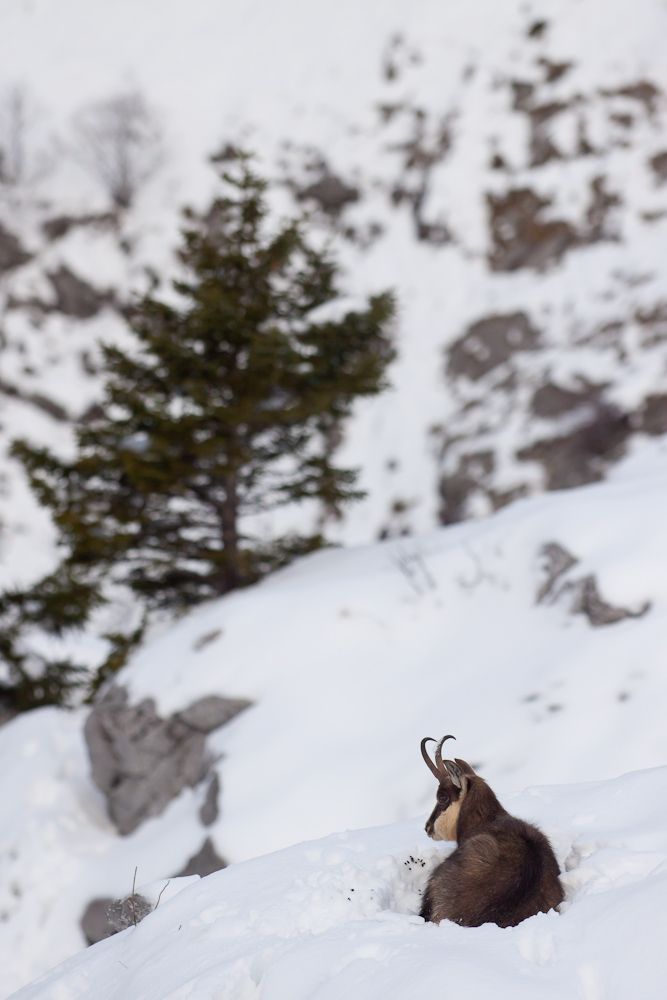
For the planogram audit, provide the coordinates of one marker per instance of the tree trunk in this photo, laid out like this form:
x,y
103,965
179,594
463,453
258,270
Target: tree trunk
x,y
229,528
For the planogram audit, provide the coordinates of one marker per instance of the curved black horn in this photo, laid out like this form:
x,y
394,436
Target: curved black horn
x,y
429,763
438,755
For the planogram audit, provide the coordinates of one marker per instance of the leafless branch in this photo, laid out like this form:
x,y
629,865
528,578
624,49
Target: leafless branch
x,y
19,159
411,563
120,143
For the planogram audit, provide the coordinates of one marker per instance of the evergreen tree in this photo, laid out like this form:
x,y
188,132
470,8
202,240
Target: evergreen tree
x,y
231,406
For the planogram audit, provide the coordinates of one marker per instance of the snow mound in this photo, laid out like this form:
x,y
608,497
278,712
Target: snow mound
x,y
337,918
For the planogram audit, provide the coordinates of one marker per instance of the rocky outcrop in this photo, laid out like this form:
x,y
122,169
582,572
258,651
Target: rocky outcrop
x,y
489,343
12,253
141,761
76,297
584,593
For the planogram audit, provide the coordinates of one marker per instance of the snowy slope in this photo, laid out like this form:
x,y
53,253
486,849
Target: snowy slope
x,y
350,660
336,918
510,164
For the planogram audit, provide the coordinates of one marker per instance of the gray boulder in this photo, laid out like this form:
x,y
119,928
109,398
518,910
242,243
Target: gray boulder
x,y
95,920
141,762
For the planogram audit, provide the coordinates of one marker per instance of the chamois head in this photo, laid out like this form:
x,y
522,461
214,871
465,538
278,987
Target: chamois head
x,y
453,776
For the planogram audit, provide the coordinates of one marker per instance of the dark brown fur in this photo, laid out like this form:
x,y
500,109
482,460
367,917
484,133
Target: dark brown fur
x,y
502,870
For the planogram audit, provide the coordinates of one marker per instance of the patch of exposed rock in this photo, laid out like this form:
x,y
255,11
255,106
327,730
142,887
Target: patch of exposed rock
x,y
95,922
74,296
523,237
330,192
489,343
205,861
60,225
658,164
584,593
583,455
652,417
141,762
12,253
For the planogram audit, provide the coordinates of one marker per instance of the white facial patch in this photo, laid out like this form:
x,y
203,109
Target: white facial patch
x,y
444,827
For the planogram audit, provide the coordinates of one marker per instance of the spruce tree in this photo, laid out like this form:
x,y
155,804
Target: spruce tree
x,y
231,405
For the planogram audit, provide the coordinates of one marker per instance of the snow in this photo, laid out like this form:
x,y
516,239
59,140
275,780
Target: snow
x,y
217,73
352,655
363,662
337,917
350,661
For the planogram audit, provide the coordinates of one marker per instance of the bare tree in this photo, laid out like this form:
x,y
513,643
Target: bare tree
x,y
20,160
120,143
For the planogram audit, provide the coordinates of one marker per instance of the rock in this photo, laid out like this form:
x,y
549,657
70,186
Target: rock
x,y
60,225
12,253
95,920
585,454
74,296
588,602
141,762
658,164
205,861
557,561
331,193
489,342
552,400
586,599
209,810
653,415
521,236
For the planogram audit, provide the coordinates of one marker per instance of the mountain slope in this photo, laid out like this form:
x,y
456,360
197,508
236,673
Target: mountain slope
x,y
333,918
503,169
544,667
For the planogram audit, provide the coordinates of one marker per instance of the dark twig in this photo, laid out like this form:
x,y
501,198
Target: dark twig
x,y
134,883
161,891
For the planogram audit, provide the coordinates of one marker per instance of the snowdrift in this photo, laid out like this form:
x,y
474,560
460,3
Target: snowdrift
x,y
336,918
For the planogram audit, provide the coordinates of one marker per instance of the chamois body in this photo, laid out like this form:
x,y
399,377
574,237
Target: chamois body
x,y
502,870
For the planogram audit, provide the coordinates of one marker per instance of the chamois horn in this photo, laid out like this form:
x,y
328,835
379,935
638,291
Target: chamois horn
x,y
438,769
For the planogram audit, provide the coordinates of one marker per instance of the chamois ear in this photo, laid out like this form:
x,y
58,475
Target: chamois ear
x,y
456,774
465,767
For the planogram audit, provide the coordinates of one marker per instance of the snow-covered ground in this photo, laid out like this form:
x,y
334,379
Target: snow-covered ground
x,y
335,918
522,366
351,657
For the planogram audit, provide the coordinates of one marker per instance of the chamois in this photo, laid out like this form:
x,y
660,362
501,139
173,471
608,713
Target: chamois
x,y
502,870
